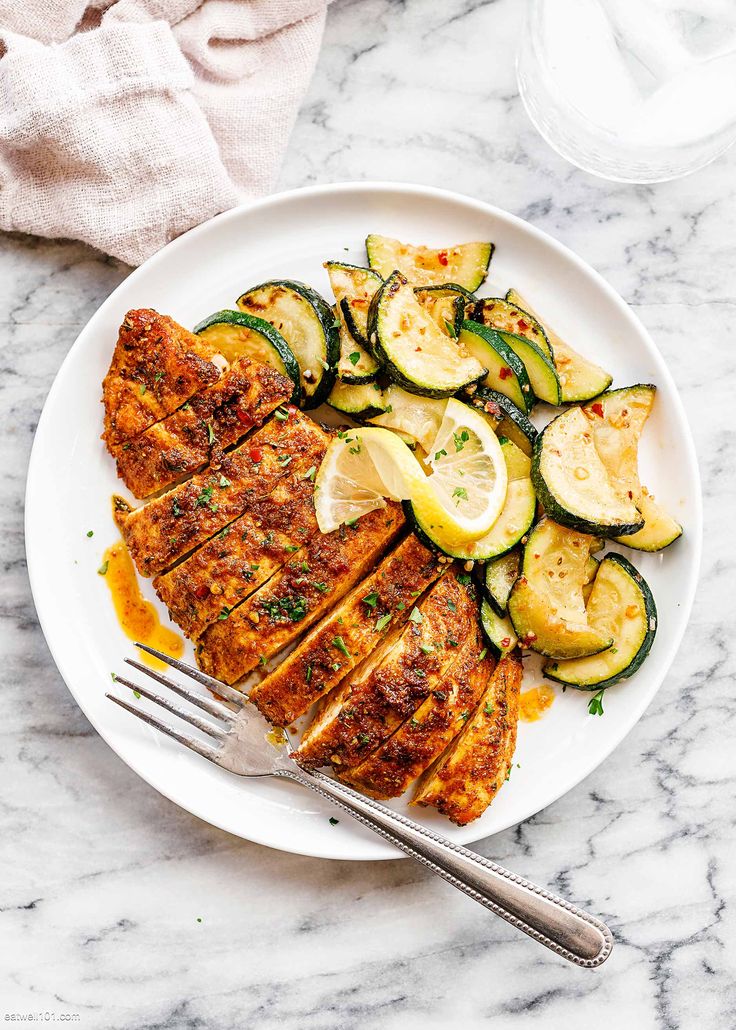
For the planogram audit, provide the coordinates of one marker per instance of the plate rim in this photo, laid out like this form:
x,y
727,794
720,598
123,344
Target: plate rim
x,y
338,189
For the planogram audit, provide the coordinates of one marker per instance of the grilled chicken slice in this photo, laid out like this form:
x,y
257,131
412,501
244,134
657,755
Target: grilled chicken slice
x,y
388,771
465,780
242,556
380,695
180,444
157,365
316,578
168,527
309,671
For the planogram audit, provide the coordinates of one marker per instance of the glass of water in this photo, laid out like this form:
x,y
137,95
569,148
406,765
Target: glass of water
x,y
631,90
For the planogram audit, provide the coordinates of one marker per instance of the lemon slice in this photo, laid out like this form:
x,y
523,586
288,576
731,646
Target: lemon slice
x,y
461,498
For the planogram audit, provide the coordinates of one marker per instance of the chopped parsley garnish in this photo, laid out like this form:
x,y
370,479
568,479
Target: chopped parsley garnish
x,y
354,358
176,510
451,642
224,614
309,474
364,738
286,609
308,674
383,621
186,406
281,415
464,716
291,548
223,482
336,666
137,693
451,605
595,705
320,586
425,648
339,643
305,567
440,454
356,450
333,821
460,492
488,708
102,571
90,532
414,722
158,377
416,616
460,439
371,600
400,606
483,653
389,409
350,522
143,389
450,329
464,578
210,433
284,459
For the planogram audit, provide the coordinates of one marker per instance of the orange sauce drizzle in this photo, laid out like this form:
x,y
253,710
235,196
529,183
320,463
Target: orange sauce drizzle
x,y
535,702
137,617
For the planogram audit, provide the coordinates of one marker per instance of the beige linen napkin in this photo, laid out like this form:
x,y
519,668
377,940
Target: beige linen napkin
x,y
125,123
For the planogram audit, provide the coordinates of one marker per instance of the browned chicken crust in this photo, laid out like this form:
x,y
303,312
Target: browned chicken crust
x,y
180,444
466,779
369,706
318,575
156,366
168,527
242,556
388,771
310,670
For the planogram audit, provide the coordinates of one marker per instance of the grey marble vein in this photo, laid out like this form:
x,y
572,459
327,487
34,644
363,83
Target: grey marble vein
x,y
104,882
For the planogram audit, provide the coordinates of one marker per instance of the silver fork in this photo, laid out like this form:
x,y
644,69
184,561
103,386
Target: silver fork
x,y
241,743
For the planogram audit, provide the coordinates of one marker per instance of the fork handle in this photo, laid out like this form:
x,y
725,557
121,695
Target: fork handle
x,y
547,918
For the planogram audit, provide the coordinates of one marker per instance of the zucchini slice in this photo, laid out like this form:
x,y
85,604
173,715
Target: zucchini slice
x,y
580,379
660,529
499,313
540,369
617,419
308,325
573,484
498,631
508,419
417,354
621,606
546,604
500,576
358,400
466,264
505,371
353,288
236,334
513,522
446,304
591,570
416,417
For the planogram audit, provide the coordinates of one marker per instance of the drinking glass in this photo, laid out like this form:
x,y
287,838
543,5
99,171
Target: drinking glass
x,y
631,90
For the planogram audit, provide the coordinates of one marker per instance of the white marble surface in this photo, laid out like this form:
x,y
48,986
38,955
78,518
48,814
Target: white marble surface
x,y
104,881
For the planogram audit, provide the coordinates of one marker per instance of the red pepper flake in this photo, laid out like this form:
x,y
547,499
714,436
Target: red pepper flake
x,y
442,257
291,408
256,454
522,324
597,409
493,409
505,372
530,638
202,591
506,641
244,417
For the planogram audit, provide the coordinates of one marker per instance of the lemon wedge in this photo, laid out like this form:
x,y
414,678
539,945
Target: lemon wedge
x,y
461,498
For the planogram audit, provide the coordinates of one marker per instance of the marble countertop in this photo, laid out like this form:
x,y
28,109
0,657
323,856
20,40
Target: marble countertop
x,y
116,905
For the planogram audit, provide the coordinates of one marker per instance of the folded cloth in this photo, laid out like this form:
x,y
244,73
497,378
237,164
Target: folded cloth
x,y
125,123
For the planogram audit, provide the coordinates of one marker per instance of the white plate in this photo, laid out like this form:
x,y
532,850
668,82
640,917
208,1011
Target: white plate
x,y
71,479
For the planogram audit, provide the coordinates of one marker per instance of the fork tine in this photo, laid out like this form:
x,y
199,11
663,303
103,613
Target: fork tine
x,y
190,717
205,703
201,677
194,745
